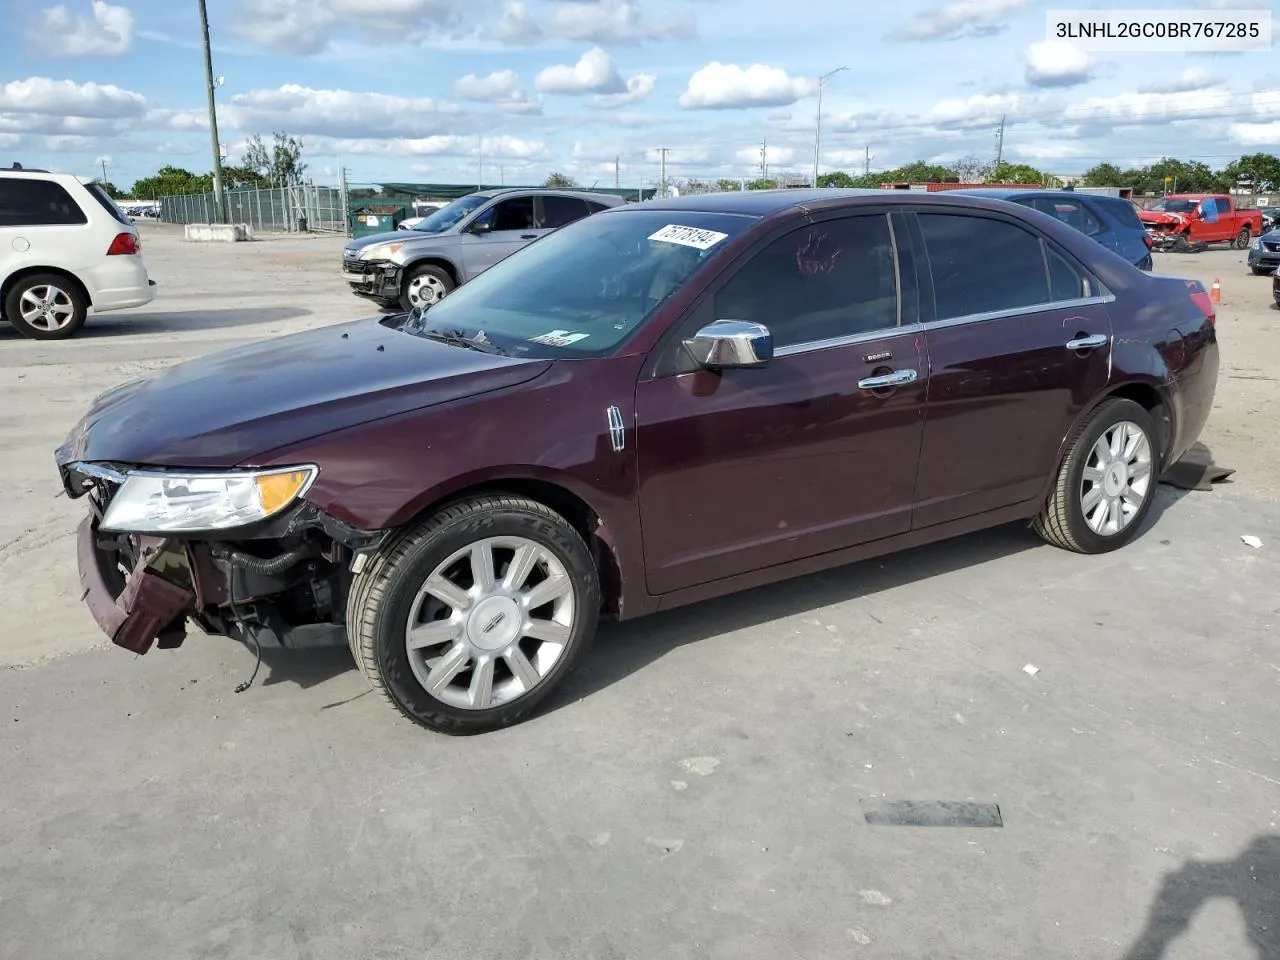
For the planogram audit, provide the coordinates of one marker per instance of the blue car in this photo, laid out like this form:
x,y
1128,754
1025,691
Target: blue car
x,y
1112,221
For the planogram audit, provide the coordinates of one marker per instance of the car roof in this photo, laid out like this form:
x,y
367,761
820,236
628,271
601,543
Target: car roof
x,y
758,203
548,191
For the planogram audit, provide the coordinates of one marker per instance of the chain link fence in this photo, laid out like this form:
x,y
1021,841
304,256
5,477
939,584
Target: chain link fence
x,y
303,208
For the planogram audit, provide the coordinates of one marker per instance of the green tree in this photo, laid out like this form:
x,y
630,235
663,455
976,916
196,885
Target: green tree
x,y
287,167
1017,173
172,181
1262,170
836,178
560,181
971,169
762,184
724,184
1106,175
112,190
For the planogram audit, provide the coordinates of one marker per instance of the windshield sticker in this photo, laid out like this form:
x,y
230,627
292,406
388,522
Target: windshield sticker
x,y
559,338
688,236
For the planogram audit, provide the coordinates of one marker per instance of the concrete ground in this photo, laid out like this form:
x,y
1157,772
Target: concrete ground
x,y
699,790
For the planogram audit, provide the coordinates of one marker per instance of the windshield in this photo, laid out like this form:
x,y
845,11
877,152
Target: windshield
x,y
580,291
1174,206
451,214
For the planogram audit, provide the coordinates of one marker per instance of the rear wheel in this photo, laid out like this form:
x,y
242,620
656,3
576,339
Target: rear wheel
x,y
425,287
1243,239
469,620
46,306
1106,482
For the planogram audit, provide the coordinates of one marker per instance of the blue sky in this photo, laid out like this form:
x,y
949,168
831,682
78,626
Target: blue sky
x,y
438,90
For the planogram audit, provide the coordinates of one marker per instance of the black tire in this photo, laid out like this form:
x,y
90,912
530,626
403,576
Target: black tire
x,y
427,272
383,594
1062,522
1243,239
66,288
1262,271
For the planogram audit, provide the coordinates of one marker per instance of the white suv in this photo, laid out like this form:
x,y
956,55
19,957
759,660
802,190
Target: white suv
x,y
66,250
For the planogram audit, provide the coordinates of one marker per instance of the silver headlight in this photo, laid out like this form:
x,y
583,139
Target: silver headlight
x,y
381,251
1257,244
156,502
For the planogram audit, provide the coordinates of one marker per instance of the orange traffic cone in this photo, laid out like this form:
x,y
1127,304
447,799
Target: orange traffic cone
x,y
1215,292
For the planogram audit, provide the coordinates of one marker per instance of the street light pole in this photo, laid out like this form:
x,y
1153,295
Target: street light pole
x,y
219,198
817,132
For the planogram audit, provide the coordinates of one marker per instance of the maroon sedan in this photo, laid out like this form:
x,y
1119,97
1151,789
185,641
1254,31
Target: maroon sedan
x,y
658,404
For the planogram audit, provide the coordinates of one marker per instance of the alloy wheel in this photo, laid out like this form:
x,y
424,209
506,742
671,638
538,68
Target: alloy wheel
x,y
490,623
46,307
1117,478
425,291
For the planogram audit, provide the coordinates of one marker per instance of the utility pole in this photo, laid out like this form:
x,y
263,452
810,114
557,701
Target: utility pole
x,y
662,177
817,132
764,159
866,165
480,161
219,198
1000,142
617,172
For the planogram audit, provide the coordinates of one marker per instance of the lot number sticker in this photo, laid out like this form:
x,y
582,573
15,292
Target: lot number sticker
x,y
688,236
559,338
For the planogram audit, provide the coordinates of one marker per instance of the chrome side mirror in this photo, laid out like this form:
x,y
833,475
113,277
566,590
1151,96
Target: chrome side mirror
x,y
731,344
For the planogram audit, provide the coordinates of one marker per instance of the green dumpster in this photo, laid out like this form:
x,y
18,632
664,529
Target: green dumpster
x,y
382,218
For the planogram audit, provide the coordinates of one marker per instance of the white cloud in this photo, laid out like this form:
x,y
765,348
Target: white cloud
x,y
1192,78
962,18
979,107
617,22
777,155
1254,134
500,87
338,113
638,90
58,32
720,86
303,27
516,27
438,145
66,98
593,73
1056,63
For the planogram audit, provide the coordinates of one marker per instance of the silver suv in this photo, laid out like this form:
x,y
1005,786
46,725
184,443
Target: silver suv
x,y
415,268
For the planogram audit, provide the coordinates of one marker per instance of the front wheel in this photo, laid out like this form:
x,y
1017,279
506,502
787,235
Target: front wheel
x,y
469,620
1262,271
425,287
1106,482
1243,239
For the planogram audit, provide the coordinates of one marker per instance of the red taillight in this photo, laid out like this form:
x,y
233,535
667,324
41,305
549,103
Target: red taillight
x,y
125,244
1146,238
1202,300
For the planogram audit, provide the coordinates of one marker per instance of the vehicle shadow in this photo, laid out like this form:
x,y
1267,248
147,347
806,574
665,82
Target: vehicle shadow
x,y
1252,880
628,647
127,323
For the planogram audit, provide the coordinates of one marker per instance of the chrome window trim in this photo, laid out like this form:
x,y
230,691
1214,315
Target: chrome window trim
x,y
1020,311
798,348
812,345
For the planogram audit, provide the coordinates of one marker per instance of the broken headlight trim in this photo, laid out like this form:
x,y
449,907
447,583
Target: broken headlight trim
x,y
161,502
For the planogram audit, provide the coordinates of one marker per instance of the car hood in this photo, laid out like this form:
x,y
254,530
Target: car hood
x,y
1271,236
395,236
228,408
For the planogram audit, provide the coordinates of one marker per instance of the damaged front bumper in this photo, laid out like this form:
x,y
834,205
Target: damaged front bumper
x,y
282,582
374,279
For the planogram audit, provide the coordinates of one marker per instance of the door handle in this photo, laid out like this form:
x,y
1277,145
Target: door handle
x,y
1085,343
528,236
895,379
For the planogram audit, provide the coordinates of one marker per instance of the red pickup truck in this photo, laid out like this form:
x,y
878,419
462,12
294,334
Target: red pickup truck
x,y
1182,219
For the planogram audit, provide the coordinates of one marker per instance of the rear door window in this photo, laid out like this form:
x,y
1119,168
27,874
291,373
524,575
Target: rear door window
x,y
105,201
1073,213
561,211
980,265
30,202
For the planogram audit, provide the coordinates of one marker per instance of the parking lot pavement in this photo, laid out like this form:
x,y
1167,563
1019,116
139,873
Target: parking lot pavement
x,y
697,791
